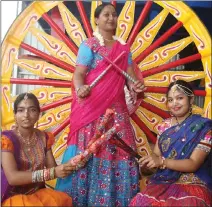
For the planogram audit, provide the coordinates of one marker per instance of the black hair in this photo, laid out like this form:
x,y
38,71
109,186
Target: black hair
x,y
100,8
185,85
21,98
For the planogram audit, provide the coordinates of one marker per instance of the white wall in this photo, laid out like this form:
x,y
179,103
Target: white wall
x,y
9,12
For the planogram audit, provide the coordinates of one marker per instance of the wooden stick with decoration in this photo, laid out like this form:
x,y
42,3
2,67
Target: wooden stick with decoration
x,y
80,160
101,125
119,69
100,128
105,71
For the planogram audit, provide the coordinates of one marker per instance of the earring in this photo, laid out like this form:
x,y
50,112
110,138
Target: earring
x,y
36,125
191,108
171,113
16,124
97,29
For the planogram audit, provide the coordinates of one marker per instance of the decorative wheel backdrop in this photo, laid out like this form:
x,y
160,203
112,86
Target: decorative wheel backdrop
x,y
151,49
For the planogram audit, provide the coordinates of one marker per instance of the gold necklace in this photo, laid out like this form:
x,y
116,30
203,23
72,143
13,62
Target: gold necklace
x,y
31,141
179,124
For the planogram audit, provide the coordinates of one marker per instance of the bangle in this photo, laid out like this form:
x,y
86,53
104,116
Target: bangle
x,y
78,88
52,173
163,166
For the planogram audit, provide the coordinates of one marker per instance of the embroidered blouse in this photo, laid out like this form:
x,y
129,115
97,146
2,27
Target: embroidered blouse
x,y
205,144
88,58
30,160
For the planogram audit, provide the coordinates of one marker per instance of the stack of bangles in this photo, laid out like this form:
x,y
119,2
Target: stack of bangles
x,y
43,175
163,164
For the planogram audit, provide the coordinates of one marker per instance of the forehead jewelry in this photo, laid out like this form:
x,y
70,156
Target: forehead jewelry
x,y
25,97
184,89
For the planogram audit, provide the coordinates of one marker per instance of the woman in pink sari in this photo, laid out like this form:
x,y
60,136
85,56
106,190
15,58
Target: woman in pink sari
x,y
111,176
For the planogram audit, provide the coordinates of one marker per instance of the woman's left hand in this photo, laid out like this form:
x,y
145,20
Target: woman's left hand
x,y
138,87
150,161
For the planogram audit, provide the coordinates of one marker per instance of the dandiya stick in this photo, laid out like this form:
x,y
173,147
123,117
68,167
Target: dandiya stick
x,y
124,146
105,71
119,69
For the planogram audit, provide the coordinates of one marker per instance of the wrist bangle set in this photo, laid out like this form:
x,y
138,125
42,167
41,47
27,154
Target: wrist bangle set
x,y
43,175
163,165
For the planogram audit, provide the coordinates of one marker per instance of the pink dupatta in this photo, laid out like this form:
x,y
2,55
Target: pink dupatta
x,y
108,90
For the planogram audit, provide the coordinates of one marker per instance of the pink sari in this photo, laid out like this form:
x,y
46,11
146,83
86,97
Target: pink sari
x,y
110,177
103,95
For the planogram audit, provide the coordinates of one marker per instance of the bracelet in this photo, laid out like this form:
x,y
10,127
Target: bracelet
x,y
163,166
78,88
43,175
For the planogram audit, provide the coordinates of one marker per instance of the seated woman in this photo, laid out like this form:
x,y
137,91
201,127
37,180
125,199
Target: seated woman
x,y
181,155
27,160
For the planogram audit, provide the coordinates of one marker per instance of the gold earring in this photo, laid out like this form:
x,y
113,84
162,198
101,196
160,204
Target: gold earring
x,y
16,124
171,113
191,108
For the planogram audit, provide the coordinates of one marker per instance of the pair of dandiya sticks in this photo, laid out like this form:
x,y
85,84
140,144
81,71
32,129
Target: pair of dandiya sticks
x,y
116,140
112,63
101,137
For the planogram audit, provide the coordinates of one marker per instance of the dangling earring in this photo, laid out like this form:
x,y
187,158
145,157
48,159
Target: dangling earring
x,y
36,125
16,124
97,28
191,108
171,113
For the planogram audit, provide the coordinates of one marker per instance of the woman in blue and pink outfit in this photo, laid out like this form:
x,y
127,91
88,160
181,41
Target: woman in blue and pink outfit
x,y
111,176
182,155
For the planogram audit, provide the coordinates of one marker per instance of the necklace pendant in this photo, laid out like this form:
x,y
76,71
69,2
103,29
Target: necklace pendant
x,y
177,128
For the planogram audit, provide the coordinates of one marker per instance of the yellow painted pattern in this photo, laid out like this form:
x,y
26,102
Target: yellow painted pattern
x,y
163,54
143,147
44,69
60,146
165,78
200,37
50,94
125,20
146,36
72,25
150,119
94,4
54,117
156,99
7,110
55,47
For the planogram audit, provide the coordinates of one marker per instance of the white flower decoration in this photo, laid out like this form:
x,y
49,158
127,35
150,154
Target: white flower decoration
x,y
101,39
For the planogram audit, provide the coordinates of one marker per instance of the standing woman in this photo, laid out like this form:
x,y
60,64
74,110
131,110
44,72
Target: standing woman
x,y
182,155
27,160
111,176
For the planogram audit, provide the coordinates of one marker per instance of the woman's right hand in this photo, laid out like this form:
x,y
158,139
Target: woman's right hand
x,y
63,170
83,91
150,161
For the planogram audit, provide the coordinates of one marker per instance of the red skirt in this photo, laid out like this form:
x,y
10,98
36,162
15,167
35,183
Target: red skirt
x,y
173,195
